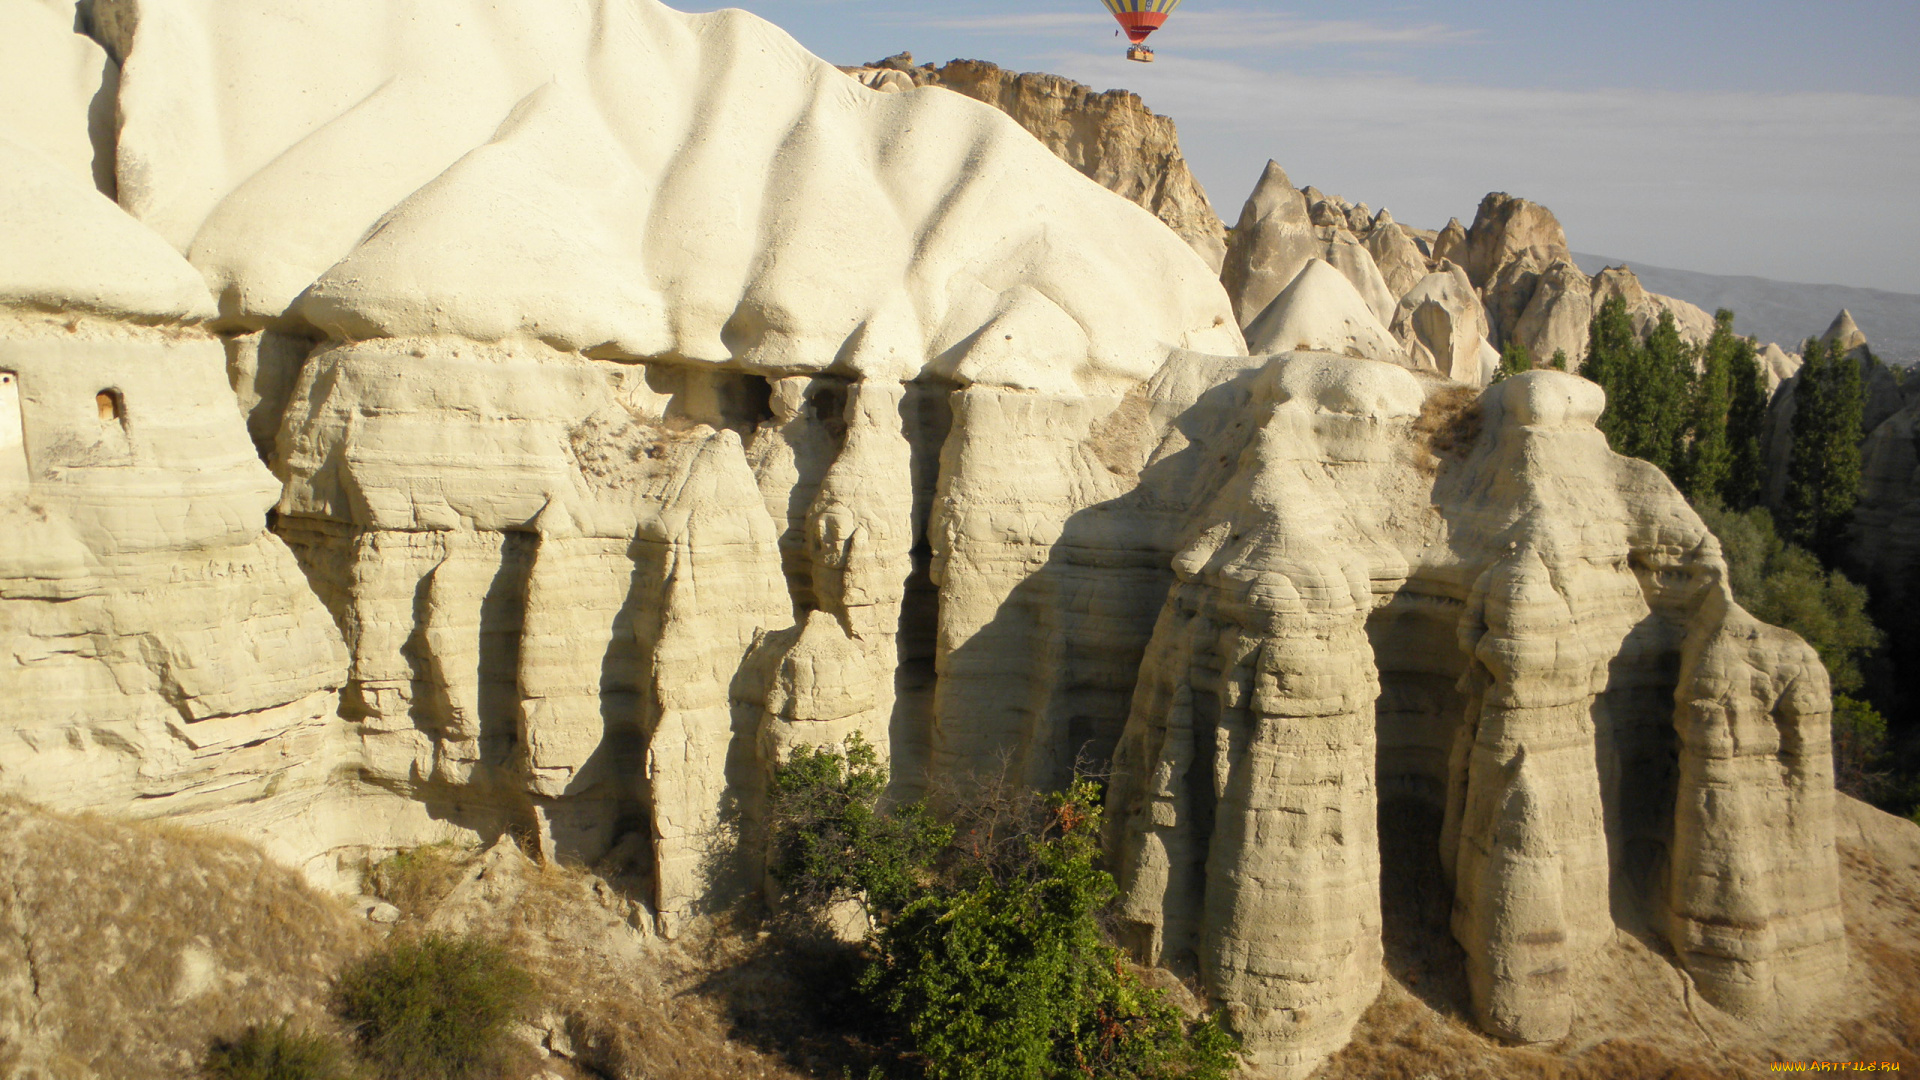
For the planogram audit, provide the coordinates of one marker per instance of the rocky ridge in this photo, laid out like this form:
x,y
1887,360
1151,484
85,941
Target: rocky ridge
x,y
1111,136
1450,300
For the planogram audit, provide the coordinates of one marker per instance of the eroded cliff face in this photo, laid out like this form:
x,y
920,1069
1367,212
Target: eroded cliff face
x,y
616,496
162,650
664,399
1528,638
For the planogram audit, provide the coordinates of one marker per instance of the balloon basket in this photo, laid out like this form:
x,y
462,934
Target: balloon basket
x,y
1140,53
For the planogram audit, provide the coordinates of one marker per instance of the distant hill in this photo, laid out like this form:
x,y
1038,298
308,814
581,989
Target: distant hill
x,y
1785,311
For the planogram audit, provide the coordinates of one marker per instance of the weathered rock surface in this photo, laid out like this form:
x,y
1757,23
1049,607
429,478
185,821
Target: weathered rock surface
x,y
1396,253
1322,312
1278,235
1645,308
1110,136
1507,230
162,649
612,496
1443,327
645,398
1515,254
1778,365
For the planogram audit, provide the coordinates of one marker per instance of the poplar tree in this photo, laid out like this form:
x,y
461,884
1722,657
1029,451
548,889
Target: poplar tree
x,y
1823,473
1649,387
1709,457
1745,483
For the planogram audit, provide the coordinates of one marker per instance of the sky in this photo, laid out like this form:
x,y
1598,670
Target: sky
x,y
1778,139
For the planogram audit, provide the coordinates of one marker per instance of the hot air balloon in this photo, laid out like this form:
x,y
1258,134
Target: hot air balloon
x,y
1140,18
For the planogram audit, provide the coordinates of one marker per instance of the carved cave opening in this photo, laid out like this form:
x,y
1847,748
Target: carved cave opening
x,y
1417,719
926,415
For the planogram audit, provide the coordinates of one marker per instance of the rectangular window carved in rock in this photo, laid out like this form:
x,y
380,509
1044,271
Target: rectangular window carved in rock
x,y
13,444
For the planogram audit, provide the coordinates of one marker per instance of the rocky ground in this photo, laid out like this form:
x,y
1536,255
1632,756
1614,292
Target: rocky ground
x,y
128,947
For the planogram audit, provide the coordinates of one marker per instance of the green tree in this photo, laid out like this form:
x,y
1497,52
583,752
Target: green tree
x,y
989,959
1514,359
1709,456
1823,473
1783,584
1010,979
1559,361
1649,387
1860,751
1745,483
1611,344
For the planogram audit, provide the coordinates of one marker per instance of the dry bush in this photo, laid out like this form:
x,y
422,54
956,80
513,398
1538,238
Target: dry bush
x,y
417,879
277,1052
133,946
615,1002
438,1008
1448,424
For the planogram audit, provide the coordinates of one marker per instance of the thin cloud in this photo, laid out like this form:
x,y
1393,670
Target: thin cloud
x,y
1230,29
1273,30
1779,184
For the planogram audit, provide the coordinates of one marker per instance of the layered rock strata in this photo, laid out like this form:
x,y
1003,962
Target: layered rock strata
x,y
163,654
617,496
1342,617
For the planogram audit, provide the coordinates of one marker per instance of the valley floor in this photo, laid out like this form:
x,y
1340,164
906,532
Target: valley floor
x,y
126,948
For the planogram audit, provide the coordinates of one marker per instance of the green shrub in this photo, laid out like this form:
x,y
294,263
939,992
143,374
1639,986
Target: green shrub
x,y
831,840
986,956
1011,979
436,1009
276,1052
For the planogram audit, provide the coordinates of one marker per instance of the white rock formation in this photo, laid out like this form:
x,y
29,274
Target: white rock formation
x,y
163,653
1331,594
1442,325
1111,137
1778,365
1278,235
1321,312
1396,254
608,396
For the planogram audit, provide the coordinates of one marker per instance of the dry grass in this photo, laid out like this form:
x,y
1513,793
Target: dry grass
x,y
618,1002
418,879
126,948
1883,916
1636,1023
1448,424
1402,1038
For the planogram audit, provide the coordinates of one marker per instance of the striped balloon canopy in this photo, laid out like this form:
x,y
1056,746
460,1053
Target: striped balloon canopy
x,y
1140,17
